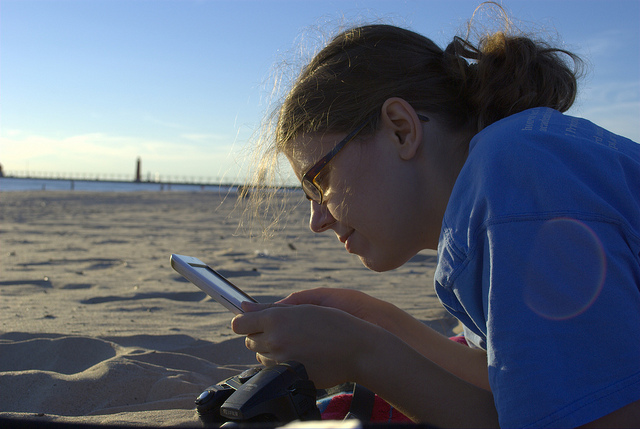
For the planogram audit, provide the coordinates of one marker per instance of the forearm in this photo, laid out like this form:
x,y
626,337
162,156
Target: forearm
x,y
421,389
464,362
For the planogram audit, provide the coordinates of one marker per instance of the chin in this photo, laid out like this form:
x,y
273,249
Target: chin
x,y
380,264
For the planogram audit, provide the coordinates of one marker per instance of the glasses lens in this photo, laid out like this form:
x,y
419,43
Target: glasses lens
x,y
312,191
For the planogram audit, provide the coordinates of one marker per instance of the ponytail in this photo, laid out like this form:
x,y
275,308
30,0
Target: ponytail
x,y
467,85
505,75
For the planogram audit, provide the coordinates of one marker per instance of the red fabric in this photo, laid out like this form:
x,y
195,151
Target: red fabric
x,y
382,411
338,407
459,339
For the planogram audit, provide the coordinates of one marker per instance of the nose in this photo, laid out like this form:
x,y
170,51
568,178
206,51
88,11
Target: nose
x,y
321,219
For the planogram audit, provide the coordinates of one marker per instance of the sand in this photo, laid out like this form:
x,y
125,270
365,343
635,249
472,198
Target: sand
x,y
95,326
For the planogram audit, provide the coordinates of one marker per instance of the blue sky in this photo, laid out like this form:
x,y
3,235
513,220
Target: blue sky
x,y
87,86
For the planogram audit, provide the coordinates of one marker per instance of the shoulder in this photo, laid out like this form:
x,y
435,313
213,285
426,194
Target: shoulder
x,y
543,163
541,151
547,132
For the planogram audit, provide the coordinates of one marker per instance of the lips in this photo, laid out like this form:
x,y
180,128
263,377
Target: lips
x,y
345,239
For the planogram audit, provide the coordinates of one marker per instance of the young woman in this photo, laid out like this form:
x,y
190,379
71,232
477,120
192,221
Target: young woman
x,y
401,146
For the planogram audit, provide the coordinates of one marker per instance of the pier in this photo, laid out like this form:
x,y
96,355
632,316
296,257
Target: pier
x,y
13,180
122,178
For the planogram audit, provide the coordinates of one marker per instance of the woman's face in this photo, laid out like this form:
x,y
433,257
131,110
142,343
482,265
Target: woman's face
x,y
384,194
370,202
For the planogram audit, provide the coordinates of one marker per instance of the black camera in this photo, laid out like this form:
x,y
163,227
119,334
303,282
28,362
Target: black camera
x,y
278,394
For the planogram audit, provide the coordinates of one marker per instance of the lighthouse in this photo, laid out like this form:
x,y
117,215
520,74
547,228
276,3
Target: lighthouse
x,y
138,167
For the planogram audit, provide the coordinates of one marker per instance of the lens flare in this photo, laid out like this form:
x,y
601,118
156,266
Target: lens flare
x,y
566,269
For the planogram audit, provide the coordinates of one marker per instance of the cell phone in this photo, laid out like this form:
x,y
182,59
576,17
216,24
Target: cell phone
x,y
211,282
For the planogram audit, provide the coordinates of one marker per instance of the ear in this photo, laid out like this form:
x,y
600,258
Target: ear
x,y
401,122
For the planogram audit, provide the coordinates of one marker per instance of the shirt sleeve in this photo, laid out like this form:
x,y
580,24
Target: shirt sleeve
x,y
562,311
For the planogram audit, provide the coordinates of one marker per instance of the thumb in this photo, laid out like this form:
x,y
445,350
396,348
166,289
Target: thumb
x,y
250,307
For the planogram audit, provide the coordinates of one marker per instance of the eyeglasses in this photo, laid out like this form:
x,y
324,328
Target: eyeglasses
x,y
310,185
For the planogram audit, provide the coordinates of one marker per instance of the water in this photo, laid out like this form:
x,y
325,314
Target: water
x,y
9,184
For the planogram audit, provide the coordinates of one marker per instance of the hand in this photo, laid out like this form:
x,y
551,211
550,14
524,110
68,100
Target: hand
x,y
356,303
328,342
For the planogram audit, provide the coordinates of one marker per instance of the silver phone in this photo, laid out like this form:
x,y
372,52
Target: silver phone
x,y
211,282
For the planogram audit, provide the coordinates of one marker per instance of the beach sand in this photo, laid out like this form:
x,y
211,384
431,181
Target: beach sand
x,y
95,326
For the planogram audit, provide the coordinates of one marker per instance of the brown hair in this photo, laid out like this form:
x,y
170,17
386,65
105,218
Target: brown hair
x,y
467,85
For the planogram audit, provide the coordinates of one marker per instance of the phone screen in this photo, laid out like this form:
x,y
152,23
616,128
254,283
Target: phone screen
x,y
215,278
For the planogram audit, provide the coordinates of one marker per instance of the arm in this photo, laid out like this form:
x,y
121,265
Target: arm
x,y
336,347
423,390
464,362
625,417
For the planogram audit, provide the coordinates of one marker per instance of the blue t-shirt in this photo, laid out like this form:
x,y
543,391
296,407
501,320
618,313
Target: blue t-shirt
x,y
539,258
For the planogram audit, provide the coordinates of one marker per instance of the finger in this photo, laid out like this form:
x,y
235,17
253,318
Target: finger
x,y
253,322
250,307
265,360
247,323
311,296
263,354
252,342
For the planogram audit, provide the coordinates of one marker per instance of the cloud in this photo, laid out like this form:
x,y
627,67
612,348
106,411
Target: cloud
x,y
603,43
206,138
160,122
614,105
